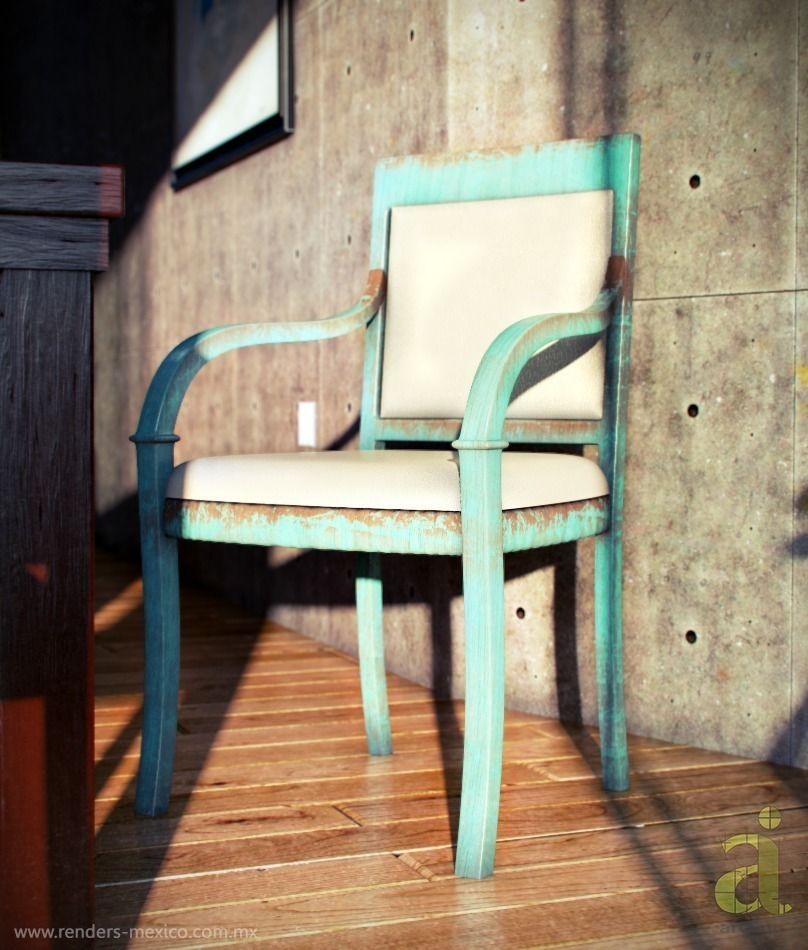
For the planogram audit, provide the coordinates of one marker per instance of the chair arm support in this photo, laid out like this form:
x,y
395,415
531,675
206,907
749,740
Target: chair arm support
x,y
172,379
484,418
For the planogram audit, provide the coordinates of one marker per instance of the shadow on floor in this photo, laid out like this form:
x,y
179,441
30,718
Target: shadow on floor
x,y
120,640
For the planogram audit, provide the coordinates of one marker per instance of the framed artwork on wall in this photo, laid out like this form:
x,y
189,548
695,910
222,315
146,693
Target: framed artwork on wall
x,y
233,86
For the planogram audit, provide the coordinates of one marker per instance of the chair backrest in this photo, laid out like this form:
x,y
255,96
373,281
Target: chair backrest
x,y
473,242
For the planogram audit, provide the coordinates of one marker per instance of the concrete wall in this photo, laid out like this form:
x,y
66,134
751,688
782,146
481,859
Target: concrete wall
x,y
713,504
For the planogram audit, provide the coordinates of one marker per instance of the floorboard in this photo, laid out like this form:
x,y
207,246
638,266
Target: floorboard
x,y
283,832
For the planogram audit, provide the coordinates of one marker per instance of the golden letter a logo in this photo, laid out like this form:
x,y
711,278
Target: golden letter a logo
x,y
767,870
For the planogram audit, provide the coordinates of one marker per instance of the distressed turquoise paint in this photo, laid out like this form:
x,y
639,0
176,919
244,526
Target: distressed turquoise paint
x,y
480,533
522,533
385,532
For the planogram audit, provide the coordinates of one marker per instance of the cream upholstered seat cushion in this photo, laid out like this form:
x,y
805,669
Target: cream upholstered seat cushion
x,y
460,272
404,479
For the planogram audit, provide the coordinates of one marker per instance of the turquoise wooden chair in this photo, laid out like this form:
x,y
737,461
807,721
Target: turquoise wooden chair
x,y
497,311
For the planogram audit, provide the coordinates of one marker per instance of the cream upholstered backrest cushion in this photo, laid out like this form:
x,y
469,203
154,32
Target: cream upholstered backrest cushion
x,y
459,273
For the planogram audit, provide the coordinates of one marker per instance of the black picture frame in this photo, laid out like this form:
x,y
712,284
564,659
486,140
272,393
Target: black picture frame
x,y
267,128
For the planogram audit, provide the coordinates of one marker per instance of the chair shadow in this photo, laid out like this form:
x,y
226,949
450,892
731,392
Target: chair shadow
x,y
656,786
570,715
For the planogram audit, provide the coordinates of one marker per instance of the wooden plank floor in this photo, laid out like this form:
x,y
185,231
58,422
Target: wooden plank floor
x,y
282,831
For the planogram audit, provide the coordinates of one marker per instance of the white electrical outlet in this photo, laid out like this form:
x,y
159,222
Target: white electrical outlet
x,y
307,424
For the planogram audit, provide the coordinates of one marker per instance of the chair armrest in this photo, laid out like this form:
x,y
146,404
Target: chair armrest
x,y
174,375
484,418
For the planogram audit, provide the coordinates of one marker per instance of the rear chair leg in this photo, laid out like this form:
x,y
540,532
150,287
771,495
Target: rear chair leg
x,y
371,654
609,661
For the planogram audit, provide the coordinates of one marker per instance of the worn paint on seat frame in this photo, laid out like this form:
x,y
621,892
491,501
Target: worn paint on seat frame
x,y
481,533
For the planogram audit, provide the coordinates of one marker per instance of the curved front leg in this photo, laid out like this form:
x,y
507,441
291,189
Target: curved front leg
x,y
484,606
162,642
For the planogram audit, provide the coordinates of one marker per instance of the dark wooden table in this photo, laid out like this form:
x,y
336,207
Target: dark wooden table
x,y
53,236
